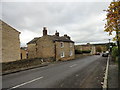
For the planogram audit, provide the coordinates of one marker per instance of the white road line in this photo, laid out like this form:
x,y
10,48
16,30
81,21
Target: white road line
x,y
73,65
26,83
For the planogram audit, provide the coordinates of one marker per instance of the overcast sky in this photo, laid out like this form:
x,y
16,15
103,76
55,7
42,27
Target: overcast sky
x,y
82,21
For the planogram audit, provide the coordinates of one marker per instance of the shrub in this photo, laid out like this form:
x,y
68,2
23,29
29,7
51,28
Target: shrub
x,y
115,52
86,51
81,52
78,52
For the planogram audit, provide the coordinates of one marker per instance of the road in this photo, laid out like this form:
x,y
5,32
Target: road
x,y
80,73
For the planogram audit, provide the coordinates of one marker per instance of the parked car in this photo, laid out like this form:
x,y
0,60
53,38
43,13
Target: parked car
x,y
105,54
97,53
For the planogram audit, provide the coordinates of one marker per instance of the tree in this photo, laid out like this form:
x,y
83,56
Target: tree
x,y
113,24
98,49
113,18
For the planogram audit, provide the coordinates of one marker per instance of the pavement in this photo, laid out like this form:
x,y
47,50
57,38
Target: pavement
x,y
113,75
86,72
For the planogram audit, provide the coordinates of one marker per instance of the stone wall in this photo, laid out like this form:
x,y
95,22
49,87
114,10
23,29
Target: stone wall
x,y
0,41
20,64
45,48
83,47
23,54
67,48
10,44
32,51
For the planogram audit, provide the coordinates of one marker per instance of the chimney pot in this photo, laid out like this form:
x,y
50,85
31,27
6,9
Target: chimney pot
x,y
57,33
67,36
44,31
44,28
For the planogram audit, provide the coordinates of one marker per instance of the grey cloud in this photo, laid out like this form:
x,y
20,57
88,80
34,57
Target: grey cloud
x,y
79,20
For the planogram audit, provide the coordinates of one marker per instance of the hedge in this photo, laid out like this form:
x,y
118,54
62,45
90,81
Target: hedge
x,y
114,52
81,52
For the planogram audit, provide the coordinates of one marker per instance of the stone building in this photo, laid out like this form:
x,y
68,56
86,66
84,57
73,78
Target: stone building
x,y
24,53
10,43
51,46
92,47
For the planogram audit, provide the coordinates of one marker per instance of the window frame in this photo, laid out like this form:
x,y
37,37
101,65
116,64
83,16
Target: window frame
x,y
62,44
71,53
62,55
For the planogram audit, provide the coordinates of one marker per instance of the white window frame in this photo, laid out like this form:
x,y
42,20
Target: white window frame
x,y
71,53
61,44
62,54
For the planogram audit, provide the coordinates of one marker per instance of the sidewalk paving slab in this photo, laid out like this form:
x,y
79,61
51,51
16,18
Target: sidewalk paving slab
x,y
113,75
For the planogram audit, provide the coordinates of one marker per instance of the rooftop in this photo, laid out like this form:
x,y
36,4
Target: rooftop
x,y
53,38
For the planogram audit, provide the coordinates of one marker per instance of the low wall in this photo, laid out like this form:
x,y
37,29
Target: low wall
x,y
24,63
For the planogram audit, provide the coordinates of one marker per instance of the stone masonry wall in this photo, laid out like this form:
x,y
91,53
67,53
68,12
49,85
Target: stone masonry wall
x,y
24,54
0,41
66,49
45,48
32,51
10,44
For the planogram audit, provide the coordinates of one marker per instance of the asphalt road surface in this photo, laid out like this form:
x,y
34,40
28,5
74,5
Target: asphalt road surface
x,y
87,72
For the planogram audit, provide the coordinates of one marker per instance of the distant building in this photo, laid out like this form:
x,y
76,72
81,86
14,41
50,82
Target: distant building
x,y
51,46
24,53
10,43
92,47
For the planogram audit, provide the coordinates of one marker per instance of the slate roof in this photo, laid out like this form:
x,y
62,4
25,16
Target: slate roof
x,y
63,39
34,40
53,38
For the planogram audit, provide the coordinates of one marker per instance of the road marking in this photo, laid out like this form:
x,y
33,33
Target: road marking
x,y
26,83
73,65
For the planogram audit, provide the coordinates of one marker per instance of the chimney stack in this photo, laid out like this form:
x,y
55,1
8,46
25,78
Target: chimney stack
x,y
44,31
57,33
67,36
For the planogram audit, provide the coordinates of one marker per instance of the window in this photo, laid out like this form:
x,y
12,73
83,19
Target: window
x,y
62,54
71,53
21,55
71,44
62,44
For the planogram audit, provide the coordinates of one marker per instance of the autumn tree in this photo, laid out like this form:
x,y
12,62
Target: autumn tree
x,y
113,24
113,19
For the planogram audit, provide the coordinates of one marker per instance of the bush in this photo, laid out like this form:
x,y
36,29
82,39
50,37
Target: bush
x,y
78,52
115,52
86,51
81,52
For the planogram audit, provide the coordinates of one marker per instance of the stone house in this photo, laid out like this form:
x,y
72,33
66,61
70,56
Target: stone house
x,y
83,47
10,43
51,46
24,53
